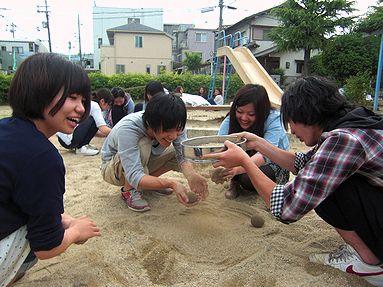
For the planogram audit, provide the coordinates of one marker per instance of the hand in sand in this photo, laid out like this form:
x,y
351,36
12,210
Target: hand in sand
x,y
232,157
85,228
198,185
182,197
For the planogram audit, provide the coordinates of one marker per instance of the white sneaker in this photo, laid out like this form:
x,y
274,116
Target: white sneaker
x,y
345,258
84,150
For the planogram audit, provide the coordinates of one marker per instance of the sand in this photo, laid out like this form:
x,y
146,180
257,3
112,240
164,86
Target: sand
x,y
210,244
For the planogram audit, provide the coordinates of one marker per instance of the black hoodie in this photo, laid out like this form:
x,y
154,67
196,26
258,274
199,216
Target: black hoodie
x,y
357,118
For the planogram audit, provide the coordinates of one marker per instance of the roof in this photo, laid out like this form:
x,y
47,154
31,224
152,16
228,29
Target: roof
x,y
134,27
261,13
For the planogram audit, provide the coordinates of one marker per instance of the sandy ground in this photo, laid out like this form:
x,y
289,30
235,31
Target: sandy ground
x,y
211,244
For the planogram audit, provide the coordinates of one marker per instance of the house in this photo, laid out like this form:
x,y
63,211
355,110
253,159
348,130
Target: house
x,y
136,48
13,52
255,30
108,17
194,40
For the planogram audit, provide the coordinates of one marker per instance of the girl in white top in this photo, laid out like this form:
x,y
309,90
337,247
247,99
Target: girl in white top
x,y
218,98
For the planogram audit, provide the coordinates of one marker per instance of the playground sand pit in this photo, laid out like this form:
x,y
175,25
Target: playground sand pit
x,y
210,244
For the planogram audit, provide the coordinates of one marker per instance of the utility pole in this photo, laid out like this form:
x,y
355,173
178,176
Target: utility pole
x,y
79,39
220,24
47,24
12,29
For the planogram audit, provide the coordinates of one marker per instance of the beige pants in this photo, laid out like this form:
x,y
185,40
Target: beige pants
x,y
113,173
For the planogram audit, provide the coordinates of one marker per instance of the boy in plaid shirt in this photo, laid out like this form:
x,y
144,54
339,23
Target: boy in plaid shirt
x,y
341,177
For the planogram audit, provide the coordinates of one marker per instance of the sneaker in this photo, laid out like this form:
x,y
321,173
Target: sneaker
x,y
133,198
91,146
85,150
345,258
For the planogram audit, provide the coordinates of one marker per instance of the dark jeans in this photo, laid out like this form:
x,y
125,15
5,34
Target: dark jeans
x,y
358,206
245,182
82,134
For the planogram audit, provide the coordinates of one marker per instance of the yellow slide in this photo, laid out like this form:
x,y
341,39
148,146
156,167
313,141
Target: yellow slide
x,y
251,71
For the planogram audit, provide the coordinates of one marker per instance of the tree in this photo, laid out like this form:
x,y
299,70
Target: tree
x,y
373,21
347,55
192,61
307,24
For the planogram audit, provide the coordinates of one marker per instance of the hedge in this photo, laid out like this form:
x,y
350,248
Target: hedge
x,y
135,83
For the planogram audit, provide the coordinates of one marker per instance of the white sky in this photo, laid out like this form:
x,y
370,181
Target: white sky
x,y
63,17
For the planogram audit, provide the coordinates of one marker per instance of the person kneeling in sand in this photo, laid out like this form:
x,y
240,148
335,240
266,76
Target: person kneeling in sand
x,y
341,177
138,150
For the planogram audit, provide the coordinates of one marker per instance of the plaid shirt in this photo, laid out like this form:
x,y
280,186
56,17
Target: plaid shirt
x,y
338,155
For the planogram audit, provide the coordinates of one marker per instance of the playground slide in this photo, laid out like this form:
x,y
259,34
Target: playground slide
x,y
251,71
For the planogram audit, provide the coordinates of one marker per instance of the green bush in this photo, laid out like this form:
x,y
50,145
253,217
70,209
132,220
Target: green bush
x,y
5,81
135,83
356,89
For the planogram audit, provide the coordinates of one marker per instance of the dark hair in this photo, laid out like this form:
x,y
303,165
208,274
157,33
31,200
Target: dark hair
x,y
219,90
117,92
251,94
204,91
312,100
152,88
40,78
104,94
165,112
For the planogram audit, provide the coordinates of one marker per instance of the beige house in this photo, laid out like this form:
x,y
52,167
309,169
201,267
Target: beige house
x,y
136,48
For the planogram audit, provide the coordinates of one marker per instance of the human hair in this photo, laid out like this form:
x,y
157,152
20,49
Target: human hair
x,y
203,93
40,78
165,112
117,92
152,88
104,94
178,89
312,100
251,94
219,90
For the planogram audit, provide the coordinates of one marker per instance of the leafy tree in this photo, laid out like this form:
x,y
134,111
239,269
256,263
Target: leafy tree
x,y
356,89
192,61
306,24
373,21
347,55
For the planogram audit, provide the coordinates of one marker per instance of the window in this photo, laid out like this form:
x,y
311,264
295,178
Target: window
x,y
148,69
299,67
133,20
30,47
160,69
138,42
18,50
3,48
99,42
261,33
120,69
200,37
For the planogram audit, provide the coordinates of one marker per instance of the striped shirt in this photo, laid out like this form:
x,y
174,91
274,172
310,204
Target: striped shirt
x,y
338,155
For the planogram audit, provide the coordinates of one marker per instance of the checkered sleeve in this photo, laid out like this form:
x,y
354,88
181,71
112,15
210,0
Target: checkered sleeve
x,y
276,201
300,161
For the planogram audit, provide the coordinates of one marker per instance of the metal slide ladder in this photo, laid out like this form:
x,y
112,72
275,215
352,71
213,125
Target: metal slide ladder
x,y
223,40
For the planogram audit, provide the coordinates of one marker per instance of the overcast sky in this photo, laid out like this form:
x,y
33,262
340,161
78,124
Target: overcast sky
x,y
64,25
